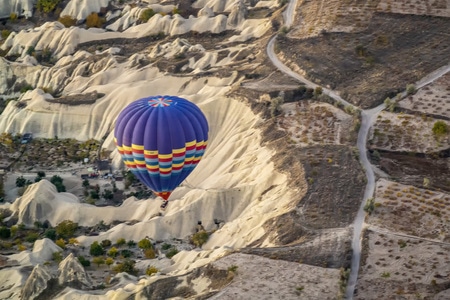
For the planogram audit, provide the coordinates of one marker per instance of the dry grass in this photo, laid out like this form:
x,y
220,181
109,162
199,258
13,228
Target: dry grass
x,y
311,123
402,268
433,99
403,132
411,210
415,7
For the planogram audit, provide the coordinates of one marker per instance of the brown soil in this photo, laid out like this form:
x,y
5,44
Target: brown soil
x,y
377,62
402,268
412,169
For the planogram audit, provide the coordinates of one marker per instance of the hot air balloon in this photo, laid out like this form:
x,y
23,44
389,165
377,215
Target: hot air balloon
x,y
161,140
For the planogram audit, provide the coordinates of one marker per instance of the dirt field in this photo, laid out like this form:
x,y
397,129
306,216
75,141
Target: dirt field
x,y
375,63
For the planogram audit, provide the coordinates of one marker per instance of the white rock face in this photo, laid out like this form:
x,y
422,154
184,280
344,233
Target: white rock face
x,y
36,283
19,7
71,273
42,251
205,12
177,47
80,9
237,15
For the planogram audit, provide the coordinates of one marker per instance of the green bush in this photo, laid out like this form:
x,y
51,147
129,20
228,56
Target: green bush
x,y
145,244
20,181
47,5
83,261
146,15
151,270
32,237
67,21
275,106
98,261
5,232
440,128
50,234
200,238
126,266
66,229
318,91
370,206
171,252
121,242
13,17
149,253
5,33
126,253
93,20
106,243
113,252
96,249
61,243
410,89
166,246
57,256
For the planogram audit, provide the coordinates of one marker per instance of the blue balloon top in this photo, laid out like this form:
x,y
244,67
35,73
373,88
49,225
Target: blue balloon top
x,y
161,140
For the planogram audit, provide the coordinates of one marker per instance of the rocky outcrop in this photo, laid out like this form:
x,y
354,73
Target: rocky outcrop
x,y
42,284
19,7
237,15
71,273
37,282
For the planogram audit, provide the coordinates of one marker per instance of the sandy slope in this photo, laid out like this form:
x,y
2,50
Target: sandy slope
x,y
227,185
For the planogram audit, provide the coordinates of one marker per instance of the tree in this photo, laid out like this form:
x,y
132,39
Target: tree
x,y
98,261
440,128
50,234
5,232
126,253
113,252
145,244
131,243
126,266
86,183
109,261
20,181
66,229
58,183
83,261
41,174
47,5
96,249
107,194
275,106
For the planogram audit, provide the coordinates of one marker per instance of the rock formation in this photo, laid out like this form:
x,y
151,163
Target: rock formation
x,y
71,273
37,282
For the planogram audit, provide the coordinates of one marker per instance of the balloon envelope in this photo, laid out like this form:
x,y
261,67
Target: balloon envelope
x,y
161,140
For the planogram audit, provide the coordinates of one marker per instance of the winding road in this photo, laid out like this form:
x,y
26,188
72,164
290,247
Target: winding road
x,y
367,119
